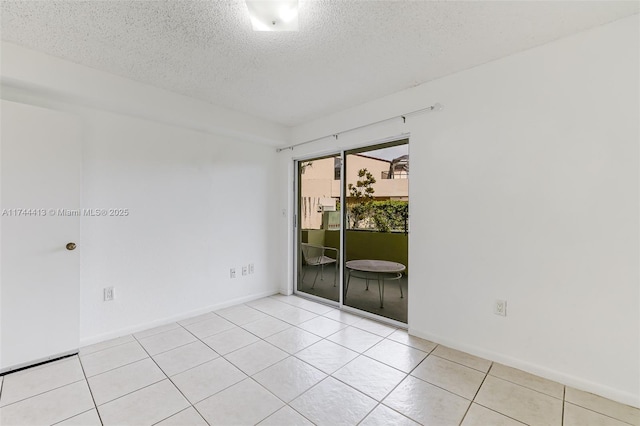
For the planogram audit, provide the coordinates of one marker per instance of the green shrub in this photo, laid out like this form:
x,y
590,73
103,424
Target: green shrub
x,y
390,215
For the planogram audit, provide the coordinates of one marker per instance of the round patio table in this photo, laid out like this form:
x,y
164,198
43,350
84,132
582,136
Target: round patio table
x,y
381,270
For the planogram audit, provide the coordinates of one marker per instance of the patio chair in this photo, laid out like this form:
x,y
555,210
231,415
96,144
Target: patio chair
x,y
315,256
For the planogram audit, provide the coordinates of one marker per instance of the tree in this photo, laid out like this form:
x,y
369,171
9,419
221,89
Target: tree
x,y
362,193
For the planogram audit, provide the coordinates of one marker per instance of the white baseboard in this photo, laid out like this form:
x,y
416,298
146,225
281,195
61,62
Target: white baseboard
x,y
539,370
285,291
156,323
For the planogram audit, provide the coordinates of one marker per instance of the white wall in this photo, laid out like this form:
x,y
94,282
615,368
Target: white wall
x,y
200,205
525,188
200,202
62,80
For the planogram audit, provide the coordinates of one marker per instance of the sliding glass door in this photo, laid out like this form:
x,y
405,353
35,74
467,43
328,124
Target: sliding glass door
x,y
368,195
376,233
318,227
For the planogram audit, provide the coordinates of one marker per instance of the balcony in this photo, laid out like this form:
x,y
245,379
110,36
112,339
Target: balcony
x,y
361,244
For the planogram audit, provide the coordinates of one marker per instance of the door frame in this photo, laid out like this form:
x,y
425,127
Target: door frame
x,y
341,152
297,230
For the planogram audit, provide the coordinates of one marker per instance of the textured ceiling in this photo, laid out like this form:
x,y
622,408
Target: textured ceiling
x,y
346,52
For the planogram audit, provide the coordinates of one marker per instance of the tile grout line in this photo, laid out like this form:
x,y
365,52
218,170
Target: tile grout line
x,y
598,412
296,411
406,375
272,298
263,339
226,331
289,355
388,393
498,412
42,393
267,313
327,338
492,409
76,415
288,404
230,352
322,315
115,368
464,365
482,383
128,393
564,402
354,388
136,339
370,411
292,326
235,350
297,325
330,374
190,368
444,389
475,394
386,406
133,391
486,373
527,387
90,391
224,357
358,353
473,401
412,369
174,385
178,325
108,347
175,414
308,390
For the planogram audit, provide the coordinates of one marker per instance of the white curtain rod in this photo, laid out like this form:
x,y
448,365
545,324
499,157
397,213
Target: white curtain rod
x,y
434,107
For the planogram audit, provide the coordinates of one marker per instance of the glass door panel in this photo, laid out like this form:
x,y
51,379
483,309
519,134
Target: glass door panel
x,y
318,227
376,220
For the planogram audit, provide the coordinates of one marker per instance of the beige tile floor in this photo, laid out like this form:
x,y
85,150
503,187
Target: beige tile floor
x,y
289,361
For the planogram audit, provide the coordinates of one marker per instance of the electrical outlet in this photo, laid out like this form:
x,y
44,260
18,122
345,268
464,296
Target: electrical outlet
x,y
251,268
109,294
244,270
500,308
232,272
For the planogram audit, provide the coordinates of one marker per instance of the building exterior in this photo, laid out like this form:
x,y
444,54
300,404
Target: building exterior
x,y
320,185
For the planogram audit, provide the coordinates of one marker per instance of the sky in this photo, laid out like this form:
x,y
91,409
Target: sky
x,y
388,153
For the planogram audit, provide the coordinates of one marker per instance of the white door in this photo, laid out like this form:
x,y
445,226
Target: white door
x,y
40,157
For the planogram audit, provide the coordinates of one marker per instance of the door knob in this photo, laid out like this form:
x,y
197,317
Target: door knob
x,y
71,246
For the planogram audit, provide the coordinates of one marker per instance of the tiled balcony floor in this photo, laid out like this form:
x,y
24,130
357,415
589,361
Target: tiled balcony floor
x,y
284,360
395,307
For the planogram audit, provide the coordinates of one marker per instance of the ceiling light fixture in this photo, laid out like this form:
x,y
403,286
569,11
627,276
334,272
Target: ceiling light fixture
x,y
273,15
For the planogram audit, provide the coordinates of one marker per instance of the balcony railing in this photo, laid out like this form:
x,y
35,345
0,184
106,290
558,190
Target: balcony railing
x,y
395,175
